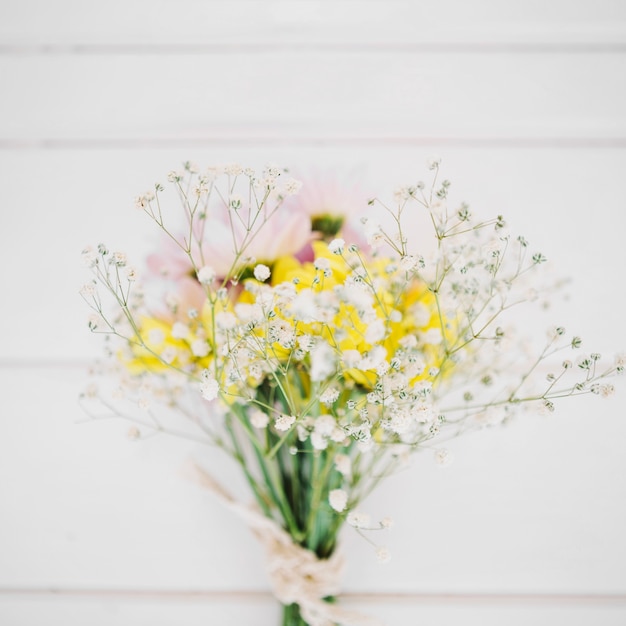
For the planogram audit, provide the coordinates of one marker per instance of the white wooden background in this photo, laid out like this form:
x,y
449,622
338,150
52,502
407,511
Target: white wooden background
x,y
526,104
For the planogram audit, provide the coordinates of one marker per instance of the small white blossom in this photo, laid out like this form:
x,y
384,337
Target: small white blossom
x,y
338,499
284,422
382,554
433,163
292,186
443,457
322,264
133,433
329,396
261,272
304,307
156,336
119,259
175,176
89,257
233,169
94,322
169,354
409,263
88,289
258,418
180,330
343,464
408,342
206,275
200,348
225,320
209,387
373,233
144,404
323,362
305,342
607,390
375,331
336,246
358,519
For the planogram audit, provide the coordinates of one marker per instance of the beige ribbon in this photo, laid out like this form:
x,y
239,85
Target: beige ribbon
x,y
297,575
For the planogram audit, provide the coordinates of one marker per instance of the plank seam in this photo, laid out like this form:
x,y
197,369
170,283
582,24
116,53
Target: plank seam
x,y
208,142
370,596
43,49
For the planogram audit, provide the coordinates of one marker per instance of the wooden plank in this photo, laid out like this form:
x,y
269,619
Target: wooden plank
x,y
27,611
54,203
534,508
393,23
312,94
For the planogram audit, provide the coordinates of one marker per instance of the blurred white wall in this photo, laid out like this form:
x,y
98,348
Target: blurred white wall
x,y
526,105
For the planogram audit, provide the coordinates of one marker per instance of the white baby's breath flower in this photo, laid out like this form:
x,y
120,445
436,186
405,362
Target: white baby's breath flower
x,y
375,331
323,362
209,387
408,342
119,259
258,418
292,186
261,272
357,519
329,396
233,169
180,330
88,289
175,176
350,358
409,262
213,172
156,336
284,422
383,555
304,307
133,433
89,257
200,348
206,275
322,264
305,342
607,390
225,320
144,403
94,322
169,354
343,464
336,246
338,499
443,457
373,233
433,163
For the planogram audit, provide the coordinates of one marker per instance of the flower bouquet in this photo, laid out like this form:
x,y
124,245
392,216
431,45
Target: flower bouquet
x,y
319,356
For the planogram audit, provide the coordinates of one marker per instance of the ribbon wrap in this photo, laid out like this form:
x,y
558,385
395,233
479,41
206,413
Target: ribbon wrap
x,y
296,574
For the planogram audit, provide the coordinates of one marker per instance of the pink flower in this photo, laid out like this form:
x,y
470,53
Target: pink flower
x,y
284,233
331,205
324,195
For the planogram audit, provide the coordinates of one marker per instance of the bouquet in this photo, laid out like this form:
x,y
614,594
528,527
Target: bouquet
x,y
320,350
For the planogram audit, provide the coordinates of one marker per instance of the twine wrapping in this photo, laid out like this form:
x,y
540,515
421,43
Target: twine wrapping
x,y
296,574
